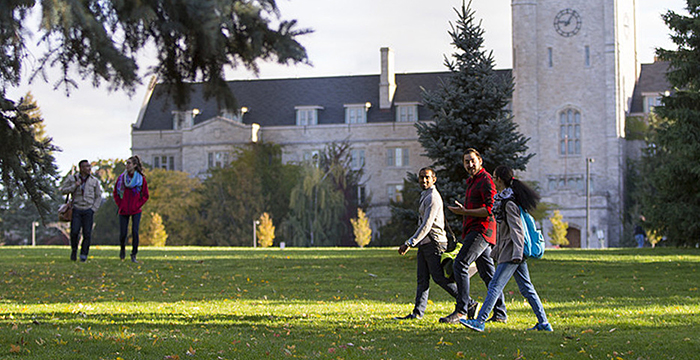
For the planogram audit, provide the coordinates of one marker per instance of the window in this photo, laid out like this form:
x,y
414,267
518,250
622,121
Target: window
x,y
397,157
307,115
184,119
566,182
357,159
356,113
550,60
587,56
218,159
394,192
650,102
361,194
310,156
164,162
406,112
569,132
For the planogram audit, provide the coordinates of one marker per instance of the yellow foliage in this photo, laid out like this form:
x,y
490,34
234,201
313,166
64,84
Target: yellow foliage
x,y
266,231
153,233
361,229
557,236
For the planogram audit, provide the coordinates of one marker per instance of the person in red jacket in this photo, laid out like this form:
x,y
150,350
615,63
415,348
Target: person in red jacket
x,y
130,193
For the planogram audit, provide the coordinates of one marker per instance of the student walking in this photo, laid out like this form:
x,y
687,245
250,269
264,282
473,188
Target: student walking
x,y
87,198
508,252
431,242
130,193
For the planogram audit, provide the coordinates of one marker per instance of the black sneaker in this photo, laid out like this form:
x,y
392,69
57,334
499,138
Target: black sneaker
x,y
452,318
471,310
408,317
73,255
133,259
83,258
122,254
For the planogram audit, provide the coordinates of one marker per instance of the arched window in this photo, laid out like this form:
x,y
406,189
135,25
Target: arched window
x,y
569,132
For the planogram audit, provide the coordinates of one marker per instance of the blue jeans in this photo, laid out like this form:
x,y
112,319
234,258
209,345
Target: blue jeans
x,y
475,249
640,240
504,272
82,219
429,266
124,226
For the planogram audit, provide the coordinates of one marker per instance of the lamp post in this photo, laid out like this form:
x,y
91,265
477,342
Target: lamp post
x,y
588,200
255,237
34,225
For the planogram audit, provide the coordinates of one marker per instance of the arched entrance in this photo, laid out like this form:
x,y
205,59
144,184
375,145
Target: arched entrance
x,y
574,237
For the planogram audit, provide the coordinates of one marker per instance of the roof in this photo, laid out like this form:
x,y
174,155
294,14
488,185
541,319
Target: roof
x,y
272,102
652,79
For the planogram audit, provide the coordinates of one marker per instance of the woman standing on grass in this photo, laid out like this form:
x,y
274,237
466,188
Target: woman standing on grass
x,y
130,193
508,252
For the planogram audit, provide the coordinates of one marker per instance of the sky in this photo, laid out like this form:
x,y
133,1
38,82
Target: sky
x,y
96,124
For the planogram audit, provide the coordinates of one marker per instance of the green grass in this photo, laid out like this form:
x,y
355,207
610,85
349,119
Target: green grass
x,y
232,303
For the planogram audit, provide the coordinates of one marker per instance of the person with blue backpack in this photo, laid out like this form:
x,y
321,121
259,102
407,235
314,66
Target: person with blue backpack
x,y
513,198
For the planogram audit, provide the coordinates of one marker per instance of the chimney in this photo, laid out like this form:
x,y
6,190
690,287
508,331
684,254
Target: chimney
x,y
387,79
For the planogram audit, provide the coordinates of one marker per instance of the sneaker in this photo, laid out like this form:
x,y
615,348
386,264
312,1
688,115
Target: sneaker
x,y
408,317
122,253
542,327
73,255
83,258
133,259
471,310
497,319
452,318
473,324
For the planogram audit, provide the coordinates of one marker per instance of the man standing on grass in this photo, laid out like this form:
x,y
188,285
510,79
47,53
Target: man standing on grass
x,y
478,237
431,241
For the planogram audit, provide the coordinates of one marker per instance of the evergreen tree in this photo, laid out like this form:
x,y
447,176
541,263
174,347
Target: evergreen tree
x,y
101,40
26,155
361,229
672,160
266,230
470,111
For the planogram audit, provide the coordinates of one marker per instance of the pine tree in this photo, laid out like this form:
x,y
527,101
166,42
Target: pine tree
x,y
470,111
101,40
670,192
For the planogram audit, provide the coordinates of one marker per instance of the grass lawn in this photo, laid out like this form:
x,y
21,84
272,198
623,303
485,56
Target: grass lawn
x,y
238,303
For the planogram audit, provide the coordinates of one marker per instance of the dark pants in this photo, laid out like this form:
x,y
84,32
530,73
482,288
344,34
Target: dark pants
x,y
475,249
429,266
82,219
124,226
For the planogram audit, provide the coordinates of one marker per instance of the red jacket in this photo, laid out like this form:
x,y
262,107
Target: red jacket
x,y
133,200
480,192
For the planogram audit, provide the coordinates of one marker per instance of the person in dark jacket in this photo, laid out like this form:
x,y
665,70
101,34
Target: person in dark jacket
x,y
130,193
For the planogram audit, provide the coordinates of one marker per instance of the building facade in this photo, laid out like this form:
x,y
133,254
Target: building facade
x,y
575,71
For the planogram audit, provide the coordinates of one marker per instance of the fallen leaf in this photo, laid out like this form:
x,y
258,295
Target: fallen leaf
x,y
14,349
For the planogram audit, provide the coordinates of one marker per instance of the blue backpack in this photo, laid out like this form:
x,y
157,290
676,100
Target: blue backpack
x,y
534,241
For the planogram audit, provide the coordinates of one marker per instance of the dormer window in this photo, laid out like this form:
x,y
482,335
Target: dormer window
x,y
184,119
651,100
234,114
356,113
307,115
407,112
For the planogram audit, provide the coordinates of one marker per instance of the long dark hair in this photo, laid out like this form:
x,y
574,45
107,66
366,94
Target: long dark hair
x,y
136,160
525,196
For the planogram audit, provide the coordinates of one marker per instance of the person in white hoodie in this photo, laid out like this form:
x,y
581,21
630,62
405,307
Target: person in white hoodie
x,y
431,241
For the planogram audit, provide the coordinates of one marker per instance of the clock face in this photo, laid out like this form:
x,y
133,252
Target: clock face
x,y
567,22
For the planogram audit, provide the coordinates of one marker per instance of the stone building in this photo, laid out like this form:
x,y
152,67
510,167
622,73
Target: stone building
x,y
576,79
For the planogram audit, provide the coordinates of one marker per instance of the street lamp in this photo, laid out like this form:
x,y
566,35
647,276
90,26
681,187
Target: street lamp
x,y
588,200
34,225
255,238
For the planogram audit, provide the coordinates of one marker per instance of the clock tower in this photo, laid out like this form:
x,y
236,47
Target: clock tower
x,y
574,68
